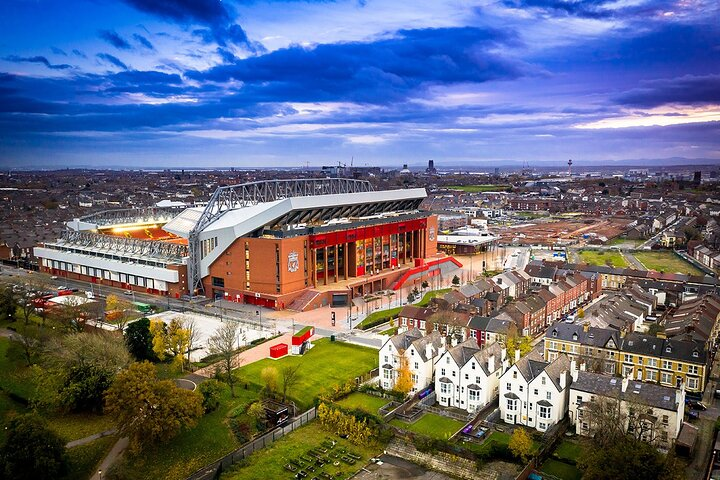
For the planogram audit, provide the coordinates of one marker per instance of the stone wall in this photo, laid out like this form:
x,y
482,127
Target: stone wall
x,y
442,462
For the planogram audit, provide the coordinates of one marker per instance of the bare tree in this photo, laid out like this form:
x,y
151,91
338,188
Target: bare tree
x,y
32,340
193,335
223,343
289,376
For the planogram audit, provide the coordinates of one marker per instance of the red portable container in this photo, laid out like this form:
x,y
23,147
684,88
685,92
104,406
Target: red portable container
x,y
279,350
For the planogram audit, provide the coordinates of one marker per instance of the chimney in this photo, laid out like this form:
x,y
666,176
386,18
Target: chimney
x,y
582,367
428,350
491,363
624,384
586,327
517,355
680,394
564,379
622,333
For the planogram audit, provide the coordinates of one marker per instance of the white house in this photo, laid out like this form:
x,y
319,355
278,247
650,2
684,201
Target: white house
x,y
467,377
534,392
651,412
420,352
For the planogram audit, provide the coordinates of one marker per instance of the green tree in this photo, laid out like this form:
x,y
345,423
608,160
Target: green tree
x,y
456,280
257,412
139,340
84,386
425,284
32,451
149,410
211,390
521,444
8,302
514,343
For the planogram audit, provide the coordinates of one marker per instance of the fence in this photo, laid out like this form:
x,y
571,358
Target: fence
x,y
374,373
214,470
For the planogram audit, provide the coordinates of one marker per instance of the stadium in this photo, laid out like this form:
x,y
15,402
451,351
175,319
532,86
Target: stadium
x,y
296,244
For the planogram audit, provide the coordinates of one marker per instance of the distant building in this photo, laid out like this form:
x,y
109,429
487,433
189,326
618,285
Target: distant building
x,y
431,167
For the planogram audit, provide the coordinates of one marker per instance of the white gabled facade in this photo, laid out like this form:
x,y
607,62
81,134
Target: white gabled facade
x,y
421,353
467,377
535,393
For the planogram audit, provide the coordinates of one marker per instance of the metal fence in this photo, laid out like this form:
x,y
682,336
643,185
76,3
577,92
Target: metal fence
x,y
214,470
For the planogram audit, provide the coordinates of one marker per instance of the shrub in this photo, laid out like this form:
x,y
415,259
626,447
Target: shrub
x,y
210,390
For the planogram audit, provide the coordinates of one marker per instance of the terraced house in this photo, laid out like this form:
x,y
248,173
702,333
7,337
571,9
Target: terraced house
x,y
669,362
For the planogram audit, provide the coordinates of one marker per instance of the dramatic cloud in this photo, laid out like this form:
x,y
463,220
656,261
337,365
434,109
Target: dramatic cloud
x,y
112,60
688,89
37,59
78,53
58,51
114,39
580,8
143,41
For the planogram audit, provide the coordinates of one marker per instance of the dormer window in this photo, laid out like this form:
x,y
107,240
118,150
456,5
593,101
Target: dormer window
x,y
668,349
554,334
575,337
695,353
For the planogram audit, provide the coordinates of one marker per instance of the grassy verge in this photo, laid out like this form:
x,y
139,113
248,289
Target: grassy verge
x,y
270,462
327,363
381,316
74,426
603,257
667,262
363,401
390,331
435,426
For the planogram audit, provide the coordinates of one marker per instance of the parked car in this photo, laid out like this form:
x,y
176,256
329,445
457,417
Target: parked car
x,y
693,415
128,292
717,393
697,405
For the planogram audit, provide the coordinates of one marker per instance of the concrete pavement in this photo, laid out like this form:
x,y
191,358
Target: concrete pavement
x,y
90,438
112,457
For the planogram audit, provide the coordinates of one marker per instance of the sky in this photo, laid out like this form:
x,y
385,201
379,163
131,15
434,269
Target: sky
x,y
253,83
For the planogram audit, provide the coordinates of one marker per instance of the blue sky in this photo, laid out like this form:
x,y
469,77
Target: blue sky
x,y
143,83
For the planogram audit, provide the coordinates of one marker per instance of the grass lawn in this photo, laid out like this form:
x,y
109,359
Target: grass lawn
x,y
432,425
363,401
390,331
209,440
74,426
16,377
602,257
568,450
84,459
667,262
561,470
501,438
327,363
481,188
270,462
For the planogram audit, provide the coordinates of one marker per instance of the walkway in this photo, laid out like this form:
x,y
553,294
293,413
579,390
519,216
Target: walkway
x,y
634,262
110,458
250,355
90,438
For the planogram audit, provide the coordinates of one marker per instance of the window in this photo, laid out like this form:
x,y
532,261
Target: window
x,y
549,395
218,282
666,378
679,367
509,386
544,412
535,392
692,383
542,380
578,400
445,387
474,395
542,426
467,377
453,373
665,419
511,404
416,365
472,365
521,388
692,369
478,379
514,375
628,358
442,371
652,362
386,358
651,375
666,365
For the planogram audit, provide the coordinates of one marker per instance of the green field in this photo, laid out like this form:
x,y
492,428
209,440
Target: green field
x,y
603,257
561,470
327,363
432,425
624,242
568,450
363,401
481,188
270,462
666,262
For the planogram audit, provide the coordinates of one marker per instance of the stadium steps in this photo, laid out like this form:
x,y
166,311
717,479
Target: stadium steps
x,y
302,302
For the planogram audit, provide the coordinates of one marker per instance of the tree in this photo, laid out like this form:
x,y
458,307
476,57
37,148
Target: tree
x,y
178,341
118,311
257,412
523,343
456,280
193,335
223,343
404,381
410,297
158,330
32,341
81,367
28,295
425,284
521,444
269,376
289,376
149,410
32,451
210,390
8,302
139,340
72,314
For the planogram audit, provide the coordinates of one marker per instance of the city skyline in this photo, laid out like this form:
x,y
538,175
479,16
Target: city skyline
x,y
194,83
